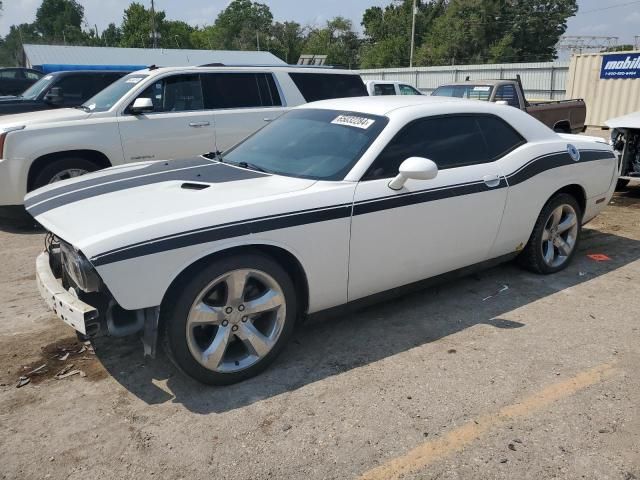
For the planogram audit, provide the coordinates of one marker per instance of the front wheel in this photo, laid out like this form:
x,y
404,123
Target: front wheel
x,y
231,319
622,184
555,236
63,169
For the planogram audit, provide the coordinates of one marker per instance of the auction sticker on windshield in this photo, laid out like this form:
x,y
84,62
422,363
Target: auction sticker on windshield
x,y
353,121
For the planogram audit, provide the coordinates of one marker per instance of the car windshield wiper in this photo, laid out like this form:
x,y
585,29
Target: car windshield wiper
x,y
84,108
252,166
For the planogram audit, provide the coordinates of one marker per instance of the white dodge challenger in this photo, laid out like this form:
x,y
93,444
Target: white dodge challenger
x,y
336,202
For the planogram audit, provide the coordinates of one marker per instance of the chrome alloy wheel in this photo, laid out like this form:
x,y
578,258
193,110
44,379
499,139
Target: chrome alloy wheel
x,y
236,320
68,173
559,235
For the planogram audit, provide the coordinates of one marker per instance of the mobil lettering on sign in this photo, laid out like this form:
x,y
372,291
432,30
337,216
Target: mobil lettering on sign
x,y
623,65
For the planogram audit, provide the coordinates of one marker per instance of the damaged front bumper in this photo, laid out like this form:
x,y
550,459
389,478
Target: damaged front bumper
x,y
65,304
107,318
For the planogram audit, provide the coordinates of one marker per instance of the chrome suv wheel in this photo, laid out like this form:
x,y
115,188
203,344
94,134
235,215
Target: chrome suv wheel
x,y
231,319
555,236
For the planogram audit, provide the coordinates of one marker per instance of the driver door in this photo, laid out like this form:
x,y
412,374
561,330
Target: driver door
x,y
429,227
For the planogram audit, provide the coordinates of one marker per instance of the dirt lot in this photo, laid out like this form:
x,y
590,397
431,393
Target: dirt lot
x,y
539,381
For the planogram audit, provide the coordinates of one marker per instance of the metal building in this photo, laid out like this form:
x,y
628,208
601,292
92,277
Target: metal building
x,y
608,82
52,58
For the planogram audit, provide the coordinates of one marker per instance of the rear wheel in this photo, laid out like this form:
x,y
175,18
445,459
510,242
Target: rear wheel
x,y
63,169
231,319
555,236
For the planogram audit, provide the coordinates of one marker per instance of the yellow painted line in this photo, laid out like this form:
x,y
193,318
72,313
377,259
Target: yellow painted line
x,y
454,441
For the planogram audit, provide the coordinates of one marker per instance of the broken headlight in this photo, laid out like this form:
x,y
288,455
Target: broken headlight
x,y
79,269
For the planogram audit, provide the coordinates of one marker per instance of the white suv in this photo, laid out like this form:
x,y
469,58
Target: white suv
x,y
155,114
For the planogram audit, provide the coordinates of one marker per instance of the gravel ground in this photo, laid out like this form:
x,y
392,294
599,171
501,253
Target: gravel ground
x,y
537,382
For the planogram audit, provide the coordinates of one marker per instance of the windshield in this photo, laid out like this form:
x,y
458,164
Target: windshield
x,y
316,144
107,98
37,88
474,92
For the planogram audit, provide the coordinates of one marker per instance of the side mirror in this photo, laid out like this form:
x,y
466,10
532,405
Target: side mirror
x,y
54,96
415,168
141,105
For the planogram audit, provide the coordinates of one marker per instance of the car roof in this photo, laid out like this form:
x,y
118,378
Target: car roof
x,y
249,68
384,104
385,82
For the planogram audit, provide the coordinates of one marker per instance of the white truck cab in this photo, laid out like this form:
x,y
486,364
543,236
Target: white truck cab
x,y
388,87
155,114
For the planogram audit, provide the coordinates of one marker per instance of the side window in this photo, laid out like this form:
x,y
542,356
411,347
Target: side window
x,y
408,90
239,90
324,86
450,141
73,87
32,75
384,89
499,136
9,73
507,93
180,93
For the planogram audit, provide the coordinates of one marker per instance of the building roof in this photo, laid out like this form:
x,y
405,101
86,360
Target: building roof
x,y
39,55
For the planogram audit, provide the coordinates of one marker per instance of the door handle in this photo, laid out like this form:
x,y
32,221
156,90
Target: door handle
x,y
491,181
199,124
268,119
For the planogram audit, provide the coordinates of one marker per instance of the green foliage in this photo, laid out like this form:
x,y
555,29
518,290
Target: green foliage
x,y
337,40
458,31
242,26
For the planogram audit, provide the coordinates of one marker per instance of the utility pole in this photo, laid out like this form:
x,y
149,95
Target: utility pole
x,y
154,34
413,32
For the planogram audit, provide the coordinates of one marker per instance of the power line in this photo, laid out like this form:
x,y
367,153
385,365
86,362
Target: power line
x,y
609,7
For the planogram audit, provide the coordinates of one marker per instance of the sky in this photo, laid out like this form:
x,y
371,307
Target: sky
x,y
623,20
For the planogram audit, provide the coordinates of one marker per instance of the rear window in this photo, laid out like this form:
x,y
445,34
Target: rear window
x,y
239,90
324,86
474,92
384,89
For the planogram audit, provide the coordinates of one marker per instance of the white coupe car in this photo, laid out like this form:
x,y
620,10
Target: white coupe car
x,y
333,203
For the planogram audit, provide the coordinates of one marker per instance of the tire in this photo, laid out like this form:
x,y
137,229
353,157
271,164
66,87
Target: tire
x,y
536,256
207,316
622,184
58,167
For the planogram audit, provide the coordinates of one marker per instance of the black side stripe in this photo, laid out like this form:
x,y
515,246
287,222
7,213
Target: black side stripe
x,y
222,232
304,217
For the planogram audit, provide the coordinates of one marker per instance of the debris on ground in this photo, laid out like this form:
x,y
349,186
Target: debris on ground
x,y
36,371
65,370
71,374
22,381
502,290
599,257
512,447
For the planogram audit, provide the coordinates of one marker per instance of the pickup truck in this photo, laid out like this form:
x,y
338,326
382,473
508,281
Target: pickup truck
x,y
59,90
563,116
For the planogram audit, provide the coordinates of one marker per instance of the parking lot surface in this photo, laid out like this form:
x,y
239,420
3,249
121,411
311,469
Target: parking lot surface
x,y
503,374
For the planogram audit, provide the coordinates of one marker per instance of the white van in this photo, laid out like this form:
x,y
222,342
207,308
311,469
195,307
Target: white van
x,y
155,114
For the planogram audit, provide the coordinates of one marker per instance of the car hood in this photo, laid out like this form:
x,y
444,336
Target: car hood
x,y
627,121
45,116
136,202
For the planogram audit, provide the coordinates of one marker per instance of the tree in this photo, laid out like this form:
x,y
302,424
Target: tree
x,y
111,36
243,25
388,31
136,26
60,21
286,40
337,40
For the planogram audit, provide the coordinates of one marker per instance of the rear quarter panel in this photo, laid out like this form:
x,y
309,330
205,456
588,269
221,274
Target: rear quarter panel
x,y
531,186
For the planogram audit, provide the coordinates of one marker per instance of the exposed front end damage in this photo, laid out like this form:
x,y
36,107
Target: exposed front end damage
x,y
74,291
626,143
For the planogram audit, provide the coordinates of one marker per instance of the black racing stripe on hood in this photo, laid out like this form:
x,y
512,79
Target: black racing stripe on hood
x,y
116,174
211,173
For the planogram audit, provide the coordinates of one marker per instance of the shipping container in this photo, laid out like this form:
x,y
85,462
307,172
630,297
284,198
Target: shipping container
x,y
608,82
